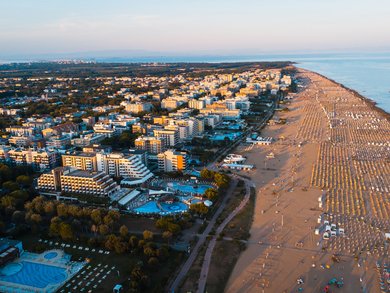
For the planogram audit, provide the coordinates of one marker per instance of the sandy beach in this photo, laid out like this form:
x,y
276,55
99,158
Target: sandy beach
x,y
329,162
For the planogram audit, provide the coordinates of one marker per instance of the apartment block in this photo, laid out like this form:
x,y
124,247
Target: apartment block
x,y
172,160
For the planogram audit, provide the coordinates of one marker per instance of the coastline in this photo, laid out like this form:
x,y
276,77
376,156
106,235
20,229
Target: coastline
x,y
335,162
370,102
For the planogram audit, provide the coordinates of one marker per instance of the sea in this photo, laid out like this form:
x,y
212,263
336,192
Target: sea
x,y
367,73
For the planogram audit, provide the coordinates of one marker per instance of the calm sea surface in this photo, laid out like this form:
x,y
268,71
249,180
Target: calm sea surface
x,y
369,76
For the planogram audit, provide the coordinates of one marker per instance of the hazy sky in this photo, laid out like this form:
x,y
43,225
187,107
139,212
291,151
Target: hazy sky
x,y
29,27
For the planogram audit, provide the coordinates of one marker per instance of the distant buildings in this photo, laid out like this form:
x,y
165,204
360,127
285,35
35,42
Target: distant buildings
x,y
138,107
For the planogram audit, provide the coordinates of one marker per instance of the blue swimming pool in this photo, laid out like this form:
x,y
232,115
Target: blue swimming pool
x,y
51,255
35,274
151,207
176,207
148,208
189,188
223,136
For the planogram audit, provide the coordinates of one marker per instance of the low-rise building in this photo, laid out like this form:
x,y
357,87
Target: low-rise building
x,y
72,181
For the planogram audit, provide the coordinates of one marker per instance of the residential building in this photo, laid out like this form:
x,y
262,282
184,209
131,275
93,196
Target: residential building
x,y
81,161
172,160
39,159
151,144
169,136
121,165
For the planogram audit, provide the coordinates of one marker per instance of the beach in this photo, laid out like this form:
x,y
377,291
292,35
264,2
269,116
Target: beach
x,y
329,162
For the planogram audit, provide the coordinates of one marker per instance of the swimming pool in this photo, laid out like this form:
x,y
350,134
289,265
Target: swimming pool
x,y
223,136
189,188
176,207
148,208
151,207
51,255
33,274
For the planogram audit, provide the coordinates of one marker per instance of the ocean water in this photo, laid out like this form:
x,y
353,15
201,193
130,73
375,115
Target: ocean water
x,y
368,75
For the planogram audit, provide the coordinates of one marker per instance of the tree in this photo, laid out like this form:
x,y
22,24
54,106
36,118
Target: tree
x,y
18,217
54,228
207,174
49,208
148,235
123,231
133,241
74,210
20,195
148,251
111,241
108,220
10,186
162,253
221,180
66,231
8,201
24,180
120,247
115,215
62,210
167,235
103,229
211,194
153,261
199,208
36,218
96,216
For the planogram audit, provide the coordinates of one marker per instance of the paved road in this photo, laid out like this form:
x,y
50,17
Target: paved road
x,y
210,248
194,253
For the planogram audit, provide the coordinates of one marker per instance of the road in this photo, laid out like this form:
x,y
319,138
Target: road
x,y
210,248
226,150
202,238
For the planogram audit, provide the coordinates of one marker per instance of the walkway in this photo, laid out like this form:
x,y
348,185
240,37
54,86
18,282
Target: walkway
x,y
188,264
210,248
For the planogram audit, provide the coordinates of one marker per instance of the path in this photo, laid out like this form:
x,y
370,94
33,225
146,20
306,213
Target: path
x,y
210,248
194,253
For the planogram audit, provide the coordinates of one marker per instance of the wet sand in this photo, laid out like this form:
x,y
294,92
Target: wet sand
x,y
328,148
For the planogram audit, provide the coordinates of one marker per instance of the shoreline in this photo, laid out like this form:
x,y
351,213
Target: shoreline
x,y
370,102
335,162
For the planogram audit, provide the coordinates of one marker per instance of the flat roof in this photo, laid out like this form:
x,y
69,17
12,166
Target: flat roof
x,y
130,196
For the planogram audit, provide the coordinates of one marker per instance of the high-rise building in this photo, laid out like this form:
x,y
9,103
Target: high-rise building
x,y
151,144
170,136
126,166
172,160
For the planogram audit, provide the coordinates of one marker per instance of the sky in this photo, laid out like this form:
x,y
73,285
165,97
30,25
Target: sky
x,y
192,27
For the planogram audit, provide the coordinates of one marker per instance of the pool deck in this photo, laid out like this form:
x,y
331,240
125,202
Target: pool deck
x,y
71,269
